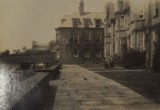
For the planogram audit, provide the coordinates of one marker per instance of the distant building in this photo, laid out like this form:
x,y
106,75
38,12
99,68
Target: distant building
x,y
39,46
81,37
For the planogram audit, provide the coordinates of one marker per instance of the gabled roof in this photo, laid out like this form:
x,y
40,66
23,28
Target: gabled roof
x,y
67,19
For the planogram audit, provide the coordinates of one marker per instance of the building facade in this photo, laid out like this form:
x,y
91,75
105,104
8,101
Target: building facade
x,y
134,24
109,41
117,28
81,37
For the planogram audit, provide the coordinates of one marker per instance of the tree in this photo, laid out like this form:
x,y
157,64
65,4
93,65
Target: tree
x,y
24,48
52,44
5,53
16,51
134,59
156,58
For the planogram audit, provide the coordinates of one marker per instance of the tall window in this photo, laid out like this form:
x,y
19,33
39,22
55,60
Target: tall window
x,y
87,38
87,53
122,22
109,30
76,38
75,22
98,23
98,53
156,12
141,41
76,53
98,38
86,22
156,8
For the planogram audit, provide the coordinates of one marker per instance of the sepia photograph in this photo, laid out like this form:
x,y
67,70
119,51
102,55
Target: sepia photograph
x,y
79,54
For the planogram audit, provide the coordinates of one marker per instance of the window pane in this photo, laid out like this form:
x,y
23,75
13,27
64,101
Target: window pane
x,y
98,38
98,53
87,53
75,22
87,37
76,53
122,22
86,23
76,38
98,23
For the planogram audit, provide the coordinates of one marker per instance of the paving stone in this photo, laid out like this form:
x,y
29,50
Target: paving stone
x,y
91,103
91,95
84,107
110,107
63,108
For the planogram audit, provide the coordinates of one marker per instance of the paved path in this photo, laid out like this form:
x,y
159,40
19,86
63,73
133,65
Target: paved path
x,y
82,89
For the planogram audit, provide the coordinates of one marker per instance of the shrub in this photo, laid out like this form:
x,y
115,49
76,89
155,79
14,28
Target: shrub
x,y
134,59
5,53
156,58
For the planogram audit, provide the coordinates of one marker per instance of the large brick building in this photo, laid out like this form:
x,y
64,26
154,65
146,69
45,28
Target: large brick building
x,y
81,37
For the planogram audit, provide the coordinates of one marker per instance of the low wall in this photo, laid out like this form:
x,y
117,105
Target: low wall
x,y
31,92
34,58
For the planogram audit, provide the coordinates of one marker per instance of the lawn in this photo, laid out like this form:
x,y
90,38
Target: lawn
x,y
146,84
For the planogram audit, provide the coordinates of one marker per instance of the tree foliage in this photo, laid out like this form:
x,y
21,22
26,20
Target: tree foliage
x,y
134,59
5,53
156,58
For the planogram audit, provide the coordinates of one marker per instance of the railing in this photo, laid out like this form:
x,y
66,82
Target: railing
x,y
30,94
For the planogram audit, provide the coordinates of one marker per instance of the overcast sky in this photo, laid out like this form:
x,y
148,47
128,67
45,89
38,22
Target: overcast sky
x,y
22,21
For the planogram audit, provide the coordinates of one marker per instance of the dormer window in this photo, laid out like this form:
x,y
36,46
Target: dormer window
x,y
98,23
86,22
75,22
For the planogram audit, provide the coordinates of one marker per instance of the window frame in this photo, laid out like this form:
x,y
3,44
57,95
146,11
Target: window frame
x,y
100,39
77,41
75,22
76,55
87,55
86,23
100,53
99,22
122,22
89,38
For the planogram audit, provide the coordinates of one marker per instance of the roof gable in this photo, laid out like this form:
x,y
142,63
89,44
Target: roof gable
x,y
66,21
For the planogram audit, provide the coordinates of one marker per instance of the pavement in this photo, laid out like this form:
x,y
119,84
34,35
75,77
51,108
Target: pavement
x,y
82,89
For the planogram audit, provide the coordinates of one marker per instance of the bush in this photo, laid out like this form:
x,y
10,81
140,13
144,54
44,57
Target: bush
x,y
5,53
118,61
134,59
156,58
